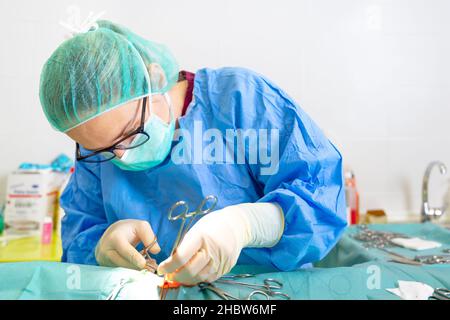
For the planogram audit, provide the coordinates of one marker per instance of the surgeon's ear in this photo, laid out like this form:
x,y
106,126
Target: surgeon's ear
x,y
158,79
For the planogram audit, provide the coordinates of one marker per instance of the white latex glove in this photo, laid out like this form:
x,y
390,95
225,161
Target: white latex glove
x,y
116,247
212,246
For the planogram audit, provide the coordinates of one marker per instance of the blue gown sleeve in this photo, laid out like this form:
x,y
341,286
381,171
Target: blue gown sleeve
x,y
85,221
308,183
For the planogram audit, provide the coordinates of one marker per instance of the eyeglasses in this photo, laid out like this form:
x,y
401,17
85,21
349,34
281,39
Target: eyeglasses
x,y
139,136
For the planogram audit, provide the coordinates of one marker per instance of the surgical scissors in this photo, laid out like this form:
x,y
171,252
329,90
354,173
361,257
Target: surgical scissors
x,y
227,296
269,285
184,215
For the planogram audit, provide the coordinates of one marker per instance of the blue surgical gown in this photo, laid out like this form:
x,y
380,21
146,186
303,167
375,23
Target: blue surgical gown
x,y
308,184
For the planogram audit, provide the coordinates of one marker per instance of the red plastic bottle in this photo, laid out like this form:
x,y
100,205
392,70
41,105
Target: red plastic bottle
x,y
352,197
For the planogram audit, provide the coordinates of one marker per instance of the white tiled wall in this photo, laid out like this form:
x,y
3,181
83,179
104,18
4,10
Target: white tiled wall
x,y
373,74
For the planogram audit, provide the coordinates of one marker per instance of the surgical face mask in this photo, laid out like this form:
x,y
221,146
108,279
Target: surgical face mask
x,y
156,149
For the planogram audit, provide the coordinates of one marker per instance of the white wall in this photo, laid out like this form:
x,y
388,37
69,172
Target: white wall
x,y
373,74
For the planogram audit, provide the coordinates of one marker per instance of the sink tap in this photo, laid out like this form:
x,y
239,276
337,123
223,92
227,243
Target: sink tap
x,y
426,211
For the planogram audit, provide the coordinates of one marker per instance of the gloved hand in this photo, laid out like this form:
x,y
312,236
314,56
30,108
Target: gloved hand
x,y
116,247
212,246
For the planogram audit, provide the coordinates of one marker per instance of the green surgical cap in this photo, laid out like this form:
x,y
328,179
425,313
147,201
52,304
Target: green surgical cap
x,y
96,71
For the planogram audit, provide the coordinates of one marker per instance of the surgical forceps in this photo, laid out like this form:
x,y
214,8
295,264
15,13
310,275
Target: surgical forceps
x,y
207,205
269,285
150,263
227,296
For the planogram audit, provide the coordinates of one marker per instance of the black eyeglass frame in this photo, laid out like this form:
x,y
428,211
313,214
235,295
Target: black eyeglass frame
x,y
116,146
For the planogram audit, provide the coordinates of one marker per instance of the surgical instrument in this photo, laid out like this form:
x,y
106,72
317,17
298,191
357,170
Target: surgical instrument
x,y
382,240
221,293
440,294
227,296
376,239
269,285
434,259
395,257
184,215
115,292
150,263
207,205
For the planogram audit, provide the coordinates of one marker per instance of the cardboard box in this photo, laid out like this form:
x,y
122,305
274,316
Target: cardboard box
x,y
31,196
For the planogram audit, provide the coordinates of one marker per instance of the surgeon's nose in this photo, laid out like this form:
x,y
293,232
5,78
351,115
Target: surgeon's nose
x,y
119,153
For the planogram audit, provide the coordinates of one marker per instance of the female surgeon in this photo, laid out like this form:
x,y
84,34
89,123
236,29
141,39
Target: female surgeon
x,y
148,135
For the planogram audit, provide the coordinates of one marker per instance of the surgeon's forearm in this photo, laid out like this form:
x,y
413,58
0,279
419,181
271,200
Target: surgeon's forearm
x,y
264,223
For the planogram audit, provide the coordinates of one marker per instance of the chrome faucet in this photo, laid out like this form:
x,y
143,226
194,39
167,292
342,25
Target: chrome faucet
x,y
428,212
